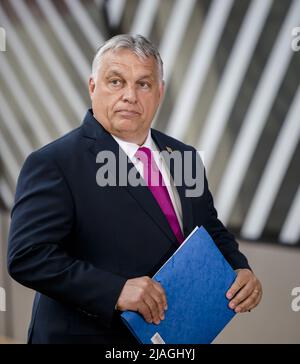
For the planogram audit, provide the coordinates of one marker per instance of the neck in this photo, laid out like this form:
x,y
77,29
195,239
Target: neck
x,y
135,140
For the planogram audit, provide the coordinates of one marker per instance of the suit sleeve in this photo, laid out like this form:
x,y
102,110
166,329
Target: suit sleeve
x,y
223,238
41,219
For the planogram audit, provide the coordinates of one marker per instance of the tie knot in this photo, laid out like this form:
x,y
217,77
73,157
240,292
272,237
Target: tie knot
x,y
143,154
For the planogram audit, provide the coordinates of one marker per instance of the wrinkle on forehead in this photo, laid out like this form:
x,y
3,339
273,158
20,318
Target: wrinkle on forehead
x,y
128,61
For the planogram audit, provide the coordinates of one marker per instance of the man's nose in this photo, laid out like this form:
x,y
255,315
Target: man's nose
x,y
130,95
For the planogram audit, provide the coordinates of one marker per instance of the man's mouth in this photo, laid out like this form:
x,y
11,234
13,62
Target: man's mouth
x,y
128,113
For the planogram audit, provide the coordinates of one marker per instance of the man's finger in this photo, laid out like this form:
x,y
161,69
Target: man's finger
x,y
240,281
144,310
162,294
157,297
242,295
153,308
250,303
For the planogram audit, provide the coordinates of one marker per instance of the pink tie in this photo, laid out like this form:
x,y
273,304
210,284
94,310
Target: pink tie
x,y
156,185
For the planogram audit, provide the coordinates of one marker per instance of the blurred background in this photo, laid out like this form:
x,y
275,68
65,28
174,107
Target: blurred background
x,y
232,71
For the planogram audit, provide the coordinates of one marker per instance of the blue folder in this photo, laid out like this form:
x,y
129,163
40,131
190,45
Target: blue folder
x,y
196,279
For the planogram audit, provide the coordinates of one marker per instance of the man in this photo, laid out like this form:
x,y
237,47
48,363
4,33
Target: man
x,y
90,250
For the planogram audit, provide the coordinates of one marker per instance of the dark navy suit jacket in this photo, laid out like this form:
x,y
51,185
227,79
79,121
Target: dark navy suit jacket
x,y
76,243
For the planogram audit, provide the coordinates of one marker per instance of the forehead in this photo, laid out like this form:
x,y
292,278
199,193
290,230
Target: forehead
x,y
127,61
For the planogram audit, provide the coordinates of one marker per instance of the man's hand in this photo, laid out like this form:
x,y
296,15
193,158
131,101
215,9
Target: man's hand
x,y
245,293
145,296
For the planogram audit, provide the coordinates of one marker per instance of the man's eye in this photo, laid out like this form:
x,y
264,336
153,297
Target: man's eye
x,y
144,85
116,82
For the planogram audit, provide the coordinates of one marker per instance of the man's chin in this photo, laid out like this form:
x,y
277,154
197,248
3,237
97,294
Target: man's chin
x,y
131,135
128,126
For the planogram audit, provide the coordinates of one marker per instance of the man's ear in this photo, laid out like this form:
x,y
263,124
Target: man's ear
x,y
92,86
162,90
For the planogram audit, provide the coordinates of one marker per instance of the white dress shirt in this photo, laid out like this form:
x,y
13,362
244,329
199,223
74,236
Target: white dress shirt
x,y
131,148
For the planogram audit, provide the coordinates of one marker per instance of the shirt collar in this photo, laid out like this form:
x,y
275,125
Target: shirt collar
x,y
131,148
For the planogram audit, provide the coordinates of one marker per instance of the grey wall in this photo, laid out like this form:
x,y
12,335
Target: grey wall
x,y
273,321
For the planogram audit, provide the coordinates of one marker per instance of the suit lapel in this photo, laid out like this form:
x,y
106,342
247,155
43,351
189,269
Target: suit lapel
x,y
103,141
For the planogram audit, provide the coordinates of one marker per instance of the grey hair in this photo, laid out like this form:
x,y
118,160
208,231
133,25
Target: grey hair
x,y
138,44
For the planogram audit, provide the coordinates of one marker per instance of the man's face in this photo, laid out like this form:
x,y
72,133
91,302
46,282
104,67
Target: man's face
x,y
126,94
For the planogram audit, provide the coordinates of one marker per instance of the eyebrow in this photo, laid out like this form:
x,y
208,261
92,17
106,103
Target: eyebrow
x,y
117,73
146,76
114,73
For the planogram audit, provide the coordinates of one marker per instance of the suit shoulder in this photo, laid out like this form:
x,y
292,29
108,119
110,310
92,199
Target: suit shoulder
x,y
62,146
175,143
